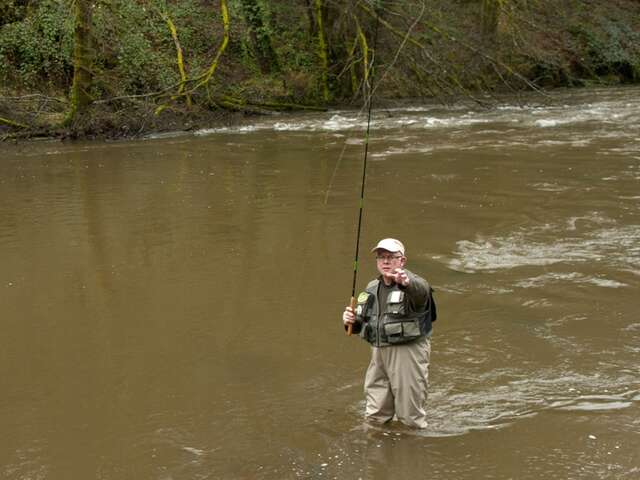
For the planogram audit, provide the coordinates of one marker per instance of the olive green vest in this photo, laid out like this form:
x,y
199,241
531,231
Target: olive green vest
x,y
399,324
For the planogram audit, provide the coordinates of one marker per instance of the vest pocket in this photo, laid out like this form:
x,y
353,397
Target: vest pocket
x,y
411,329
402,332
395,303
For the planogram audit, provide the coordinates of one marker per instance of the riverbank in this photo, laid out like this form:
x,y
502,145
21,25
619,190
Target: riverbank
x,y
101,123
125,119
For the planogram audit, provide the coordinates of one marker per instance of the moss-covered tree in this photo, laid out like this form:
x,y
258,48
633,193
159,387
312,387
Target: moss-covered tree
x,y
322,49
80,97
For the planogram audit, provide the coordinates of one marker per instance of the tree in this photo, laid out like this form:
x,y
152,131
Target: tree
x,y
80,97
322,51
491,13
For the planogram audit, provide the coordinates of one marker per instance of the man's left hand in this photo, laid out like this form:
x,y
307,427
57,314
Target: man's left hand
x,y
398,276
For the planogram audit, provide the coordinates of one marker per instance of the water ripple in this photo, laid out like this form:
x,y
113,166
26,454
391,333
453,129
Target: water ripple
x,y
497,406
618,247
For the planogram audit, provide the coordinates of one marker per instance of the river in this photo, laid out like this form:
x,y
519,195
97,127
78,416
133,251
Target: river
x,y
171,305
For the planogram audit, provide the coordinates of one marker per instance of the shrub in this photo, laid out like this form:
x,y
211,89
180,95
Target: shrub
x,y
38,48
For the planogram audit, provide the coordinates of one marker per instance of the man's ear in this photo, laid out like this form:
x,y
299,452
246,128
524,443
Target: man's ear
x,y
403,261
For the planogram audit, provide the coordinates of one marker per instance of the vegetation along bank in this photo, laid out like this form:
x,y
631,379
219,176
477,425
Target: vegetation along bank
x,y
113,68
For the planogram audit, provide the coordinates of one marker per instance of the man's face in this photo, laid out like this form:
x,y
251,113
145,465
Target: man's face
x,y
388,261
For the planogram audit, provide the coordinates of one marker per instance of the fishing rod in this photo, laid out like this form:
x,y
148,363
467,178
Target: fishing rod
x,y
364,170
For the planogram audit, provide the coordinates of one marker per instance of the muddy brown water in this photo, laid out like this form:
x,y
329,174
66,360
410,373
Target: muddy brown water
x,y
171,306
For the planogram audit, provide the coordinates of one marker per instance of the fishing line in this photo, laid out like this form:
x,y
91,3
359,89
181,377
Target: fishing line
x,y
373,89
364,170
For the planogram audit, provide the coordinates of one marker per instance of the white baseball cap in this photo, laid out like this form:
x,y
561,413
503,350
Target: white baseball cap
x,y
390,245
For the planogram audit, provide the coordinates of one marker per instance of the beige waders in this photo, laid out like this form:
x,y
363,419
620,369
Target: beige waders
x,y
397,381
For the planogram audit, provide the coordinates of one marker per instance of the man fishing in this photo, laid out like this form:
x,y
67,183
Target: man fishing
x,y
394,314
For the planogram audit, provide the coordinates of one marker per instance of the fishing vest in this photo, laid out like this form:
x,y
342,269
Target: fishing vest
x,y
399,324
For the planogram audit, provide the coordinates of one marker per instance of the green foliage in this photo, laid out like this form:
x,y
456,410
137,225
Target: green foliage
x,y
609,49
299,49
13,11
138,45
38,48
445,53
134,51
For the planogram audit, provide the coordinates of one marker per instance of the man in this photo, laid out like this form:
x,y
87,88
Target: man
x,y
394,315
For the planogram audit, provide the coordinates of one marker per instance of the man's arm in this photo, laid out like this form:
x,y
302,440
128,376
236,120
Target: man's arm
x,y
415,287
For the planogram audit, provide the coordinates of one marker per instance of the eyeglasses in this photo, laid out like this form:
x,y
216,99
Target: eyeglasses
x,y
387,258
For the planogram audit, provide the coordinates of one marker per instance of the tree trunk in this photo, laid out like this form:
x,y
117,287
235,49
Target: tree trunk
x,y
313,28
364,46
322,51
179,56
490,16
206,77
82,62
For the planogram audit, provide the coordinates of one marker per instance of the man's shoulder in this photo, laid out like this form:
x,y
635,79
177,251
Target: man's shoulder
x,y
373,283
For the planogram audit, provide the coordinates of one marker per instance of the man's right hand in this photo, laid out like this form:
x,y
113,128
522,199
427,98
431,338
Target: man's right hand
x,y
348,316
